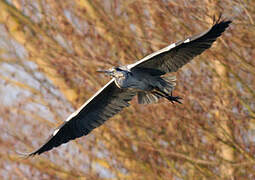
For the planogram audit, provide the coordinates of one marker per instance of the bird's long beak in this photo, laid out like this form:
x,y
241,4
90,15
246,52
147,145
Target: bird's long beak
x,y
105,71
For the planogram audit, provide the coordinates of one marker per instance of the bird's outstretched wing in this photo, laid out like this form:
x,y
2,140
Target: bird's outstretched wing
x,y
174,56
107,102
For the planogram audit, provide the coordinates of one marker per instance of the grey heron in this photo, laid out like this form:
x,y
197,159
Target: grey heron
x,y
143,78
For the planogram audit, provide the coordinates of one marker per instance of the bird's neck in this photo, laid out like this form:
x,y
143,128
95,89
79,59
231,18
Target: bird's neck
x,y
122,80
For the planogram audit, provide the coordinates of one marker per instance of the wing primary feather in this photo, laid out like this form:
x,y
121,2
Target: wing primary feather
x,y
107,102
173,57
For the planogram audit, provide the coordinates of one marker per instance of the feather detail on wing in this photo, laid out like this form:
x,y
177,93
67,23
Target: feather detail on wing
x,y
174,56
107,102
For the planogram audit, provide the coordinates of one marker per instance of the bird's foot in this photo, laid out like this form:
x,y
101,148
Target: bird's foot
x,y
173,99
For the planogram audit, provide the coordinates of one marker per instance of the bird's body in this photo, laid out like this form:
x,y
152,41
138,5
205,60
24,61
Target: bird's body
x,y
146,78
134,80
149,86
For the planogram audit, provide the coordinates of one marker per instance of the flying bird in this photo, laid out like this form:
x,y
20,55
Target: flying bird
x,y
143,78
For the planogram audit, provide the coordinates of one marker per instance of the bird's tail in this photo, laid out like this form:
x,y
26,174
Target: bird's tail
x,y
166,85
147,98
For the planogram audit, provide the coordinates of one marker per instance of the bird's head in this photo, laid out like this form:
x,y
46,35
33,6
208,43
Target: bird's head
x,y
115,72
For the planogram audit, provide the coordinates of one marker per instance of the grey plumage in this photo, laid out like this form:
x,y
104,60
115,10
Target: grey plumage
x,y
143,78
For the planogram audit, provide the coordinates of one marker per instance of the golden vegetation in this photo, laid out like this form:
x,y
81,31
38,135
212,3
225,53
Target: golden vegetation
x,y
49,54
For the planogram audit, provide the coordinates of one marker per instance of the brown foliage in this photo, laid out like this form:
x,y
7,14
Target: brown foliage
x,y
49,52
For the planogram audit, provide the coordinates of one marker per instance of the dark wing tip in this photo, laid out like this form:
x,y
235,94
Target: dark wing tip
x,y
216,30
43,148
220,25
38,151
25,155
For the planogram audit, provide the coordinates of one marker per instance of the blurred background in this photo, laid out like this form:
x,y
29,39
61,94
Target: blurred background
x,y
49,54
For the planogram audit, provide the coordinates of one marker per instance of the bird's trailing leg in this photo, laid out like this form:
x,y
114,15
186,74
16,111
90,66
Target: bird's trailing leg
x,y
171,98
